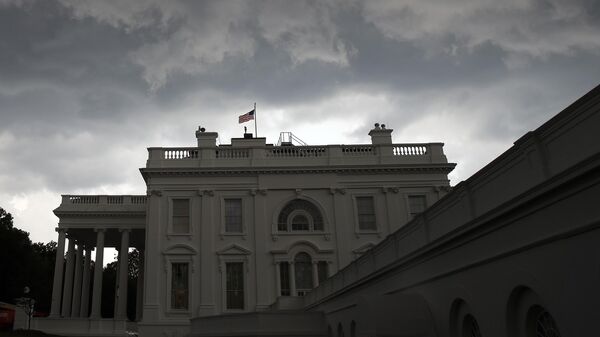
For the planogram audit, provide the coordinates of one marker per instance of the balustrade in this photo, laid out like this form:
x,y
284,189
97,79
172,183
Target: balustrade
x,y
297,151
232,153
104,199
428,152
181,154
410,150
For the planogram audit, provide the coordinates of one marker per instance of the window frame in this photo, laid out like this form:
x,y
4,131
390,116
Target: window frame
x,y
300,211
224,259
223,228
358,228
170,231
411,215
170,260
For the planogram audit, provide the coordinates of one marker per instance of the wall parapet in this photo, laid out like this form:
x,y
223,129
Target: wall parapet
x,y
273,156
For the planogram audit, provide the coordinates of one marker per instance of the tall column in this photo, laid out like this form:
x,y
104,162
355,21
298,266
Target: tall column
x,y
58,274
315,274
76,304
68,285
277,279
85,288
123,271
98,268
139,297
292,279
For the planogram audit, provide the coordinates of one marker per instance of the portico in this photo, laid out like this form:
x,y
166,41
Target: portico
x,y
88,225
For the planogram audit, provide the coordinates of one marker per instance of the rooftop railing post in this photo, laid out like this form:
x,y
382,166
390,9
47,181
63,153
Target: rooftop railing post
x,y
103,199
436,152
334,154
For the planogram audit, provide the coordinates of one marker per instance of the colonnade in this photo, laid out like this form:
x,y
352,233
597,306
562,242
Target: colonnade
x,y
292,275
70,297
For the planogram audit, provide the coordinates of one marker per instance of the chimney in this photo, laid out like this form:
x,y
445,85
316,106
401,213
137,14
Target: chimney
x,y
206,139
380,135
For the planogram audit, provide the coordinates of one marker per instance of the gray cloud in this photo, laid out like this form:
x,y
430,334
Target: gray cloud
x,y
85,86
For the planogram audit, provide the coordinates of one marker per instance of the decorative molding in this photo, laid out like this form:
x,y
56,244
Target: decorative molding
x,y
180,249
199,192
210,193
157,193
298,191
262,191
245,171
234,249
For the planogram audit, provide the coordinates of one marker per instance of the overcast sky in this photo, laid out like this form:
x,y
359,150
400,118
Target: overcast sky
x,y
86,86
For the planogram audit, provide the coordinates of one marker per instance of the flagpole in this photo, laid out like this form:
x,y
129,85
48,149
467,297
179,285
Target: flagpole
x,y
255,117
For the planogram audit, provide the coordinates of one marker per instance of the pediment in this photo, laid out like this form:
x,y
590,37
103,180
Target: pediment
x,y
364,248
180,249
234,250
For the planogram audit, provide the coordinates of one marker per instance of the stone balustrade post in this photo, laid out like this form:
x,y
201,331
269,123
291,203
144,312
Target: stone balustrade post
x,y
58,273
436,152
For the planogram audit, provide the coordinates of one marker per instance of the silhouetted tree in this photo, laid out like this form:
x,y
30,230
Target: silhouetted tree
x,y
24,264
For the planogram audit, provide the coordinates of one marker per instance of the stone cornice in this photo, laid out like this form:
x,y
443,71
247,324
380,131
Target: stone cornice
x,y
80,213
372,169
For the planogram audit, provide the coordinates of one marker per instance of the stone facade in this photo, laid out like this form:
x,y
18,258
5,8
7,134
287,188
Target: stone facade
x,y
232,228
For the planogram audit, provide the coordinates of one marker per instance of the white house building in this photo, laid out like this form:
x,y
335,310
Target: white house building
x,y
251,239
237,228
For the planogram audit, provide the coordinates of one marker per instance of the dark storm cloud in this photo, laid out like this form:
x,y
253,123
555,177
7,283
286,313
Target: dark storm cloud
x,y
86,85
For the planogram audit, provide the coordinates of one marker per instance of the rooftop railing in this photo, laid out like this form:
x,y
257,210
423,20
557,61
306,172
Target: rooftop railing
x,y
296,155
103,200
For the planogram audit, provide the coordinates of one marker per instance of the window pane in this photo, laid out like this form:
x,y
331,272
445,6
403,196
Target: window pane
x,y
300,204
366,213
284,276
234,285
179,286
233,215
416,204
300,223
303,270
181,216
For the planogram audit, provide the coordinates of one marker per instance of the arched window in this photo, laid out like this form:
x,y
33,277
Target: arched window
x,y
303,270
340,332
300,215
540,323
470,328
300,223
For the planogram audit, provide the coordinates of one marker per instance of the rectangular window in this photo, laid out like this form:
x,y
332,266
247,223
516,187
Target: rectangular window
x,y
416,204
366,213
181,216
322,270
284,276
233,216
179,286
234,285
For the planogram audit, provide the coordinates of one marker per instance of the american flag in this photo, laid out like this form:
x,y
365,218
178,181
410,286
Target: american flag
x,y
248,116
